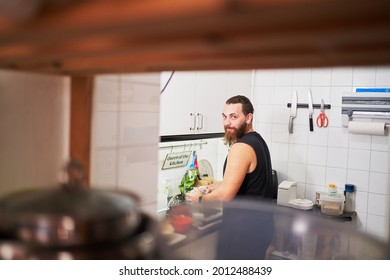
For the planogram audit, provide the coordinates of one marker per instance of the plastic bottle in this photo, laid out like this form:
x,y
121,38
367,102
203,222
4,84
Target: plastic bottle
x,y
163,195
350,198
332,191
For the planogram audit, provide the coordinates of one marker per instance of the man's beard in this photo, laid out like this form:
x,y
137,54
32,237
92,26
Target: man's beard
x,y
232,137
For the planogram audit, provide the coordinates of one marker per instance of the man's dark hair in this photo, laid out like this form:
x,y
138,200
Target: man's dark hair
x,y
247,106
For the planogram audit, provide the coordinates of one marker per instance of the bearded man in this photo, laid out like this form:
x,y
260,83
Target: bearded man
x,y
244,234
247,169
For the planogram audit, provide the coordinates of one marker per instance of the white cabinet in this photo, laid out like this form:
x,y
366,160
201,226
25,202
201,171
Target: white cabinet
x,y
177,103
192,103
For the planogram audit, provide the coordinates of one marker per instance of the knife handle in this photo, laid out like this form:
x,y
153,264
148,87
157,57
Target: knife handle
x,y
290,125
311,123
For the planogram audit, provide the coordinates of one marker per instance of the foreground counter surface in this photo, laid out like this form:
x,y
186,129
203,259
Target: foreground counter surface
x,y
253,229
238,230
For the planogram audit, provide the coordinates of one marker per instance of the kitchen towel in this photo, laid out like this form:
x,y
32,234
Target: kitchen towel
x,y
369,128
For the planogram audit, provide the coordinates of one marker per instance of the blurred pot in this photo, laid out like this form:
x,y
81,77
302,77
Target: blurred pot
x,y
72,221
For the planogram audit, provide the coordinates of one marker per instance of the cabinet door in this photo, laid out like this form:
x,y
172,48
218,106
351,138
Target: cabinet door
x,y
211,87
177,102
239,83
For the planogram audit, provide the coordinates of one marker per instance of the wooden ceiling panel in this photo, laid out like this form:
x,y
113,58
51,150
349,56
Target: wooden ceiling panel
x,y
98,36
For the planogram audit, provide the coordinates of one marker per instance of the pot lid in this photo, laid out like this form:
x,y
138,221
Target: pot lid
x,y
70,214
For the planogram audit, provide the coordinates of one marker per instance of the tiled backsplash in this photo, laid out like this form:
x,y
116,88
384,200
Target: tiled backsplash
x,y
326,155
125,135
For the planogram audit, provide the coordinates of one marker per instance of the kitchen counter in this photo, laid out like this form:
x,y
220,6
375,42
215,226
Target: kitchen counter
x,y
199,242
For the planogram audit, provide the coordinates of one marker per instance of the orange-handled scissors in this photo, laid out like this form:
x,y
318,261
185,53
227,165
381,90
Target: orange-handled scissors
x,y
322,120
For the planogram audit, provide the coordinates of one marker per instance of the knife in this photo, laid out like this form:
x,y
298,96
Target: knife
x,y
293,111
310,109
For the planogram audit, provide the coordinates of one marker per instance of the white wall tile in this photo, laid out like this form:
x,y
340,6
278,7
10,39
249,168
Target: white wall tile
x,y
310,192
280,114
279,151
338,137
378,183
336,176
321,76
318,137
283,77
301,190
144,78
264,78
376,225
361,203
105,129
282,96
316,155
336,94
359,178
265,130
380,143
382,77
297,153
139,128
337,157
280,133
297,172
301,77
315,175
282,169
104,168
137,171
106,91
359,141
263,95
264,114
379,161
377,204
129,103
342,76
318,94
300,134
362,221
364,76
359,159
334,116
301,94
139,94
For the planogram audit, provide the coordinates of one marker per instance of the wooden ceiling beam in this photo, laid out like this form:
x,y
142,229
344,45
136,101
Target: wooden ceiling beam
x,y
99,35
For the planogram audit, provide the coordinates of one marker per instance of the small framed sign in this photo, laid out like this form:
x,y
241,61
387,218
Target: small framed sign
x,y
173,160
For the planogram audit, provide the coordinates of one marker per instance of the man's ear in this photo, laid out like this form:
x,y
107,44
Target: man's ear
x,y
249,118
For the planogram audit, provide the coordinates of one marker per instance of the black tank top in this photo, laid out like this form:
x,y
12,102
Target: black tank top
x,y
259,181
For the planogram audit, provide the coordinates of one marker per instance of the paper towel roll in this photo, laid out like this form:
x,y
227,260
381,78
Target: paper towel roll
x,y
370,128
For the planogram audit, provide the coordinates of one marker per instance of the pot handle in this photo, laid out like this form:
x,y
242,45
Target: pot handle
x,y
73,175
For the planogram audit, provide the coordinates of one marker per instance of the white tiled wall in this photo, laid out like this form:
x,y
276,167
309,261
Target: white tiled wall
x,y
34,125
125,135
125,140
326,155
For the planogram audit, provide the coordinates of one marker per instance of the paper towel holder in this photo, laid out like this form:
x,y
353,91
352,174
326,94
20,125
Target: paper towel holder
x,y
366,107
